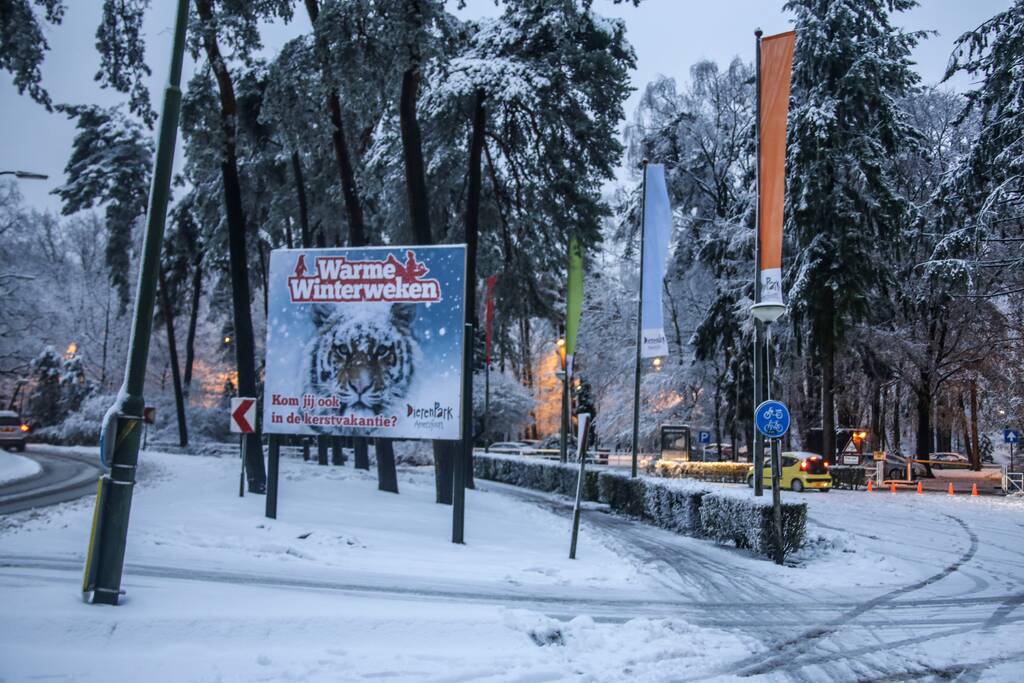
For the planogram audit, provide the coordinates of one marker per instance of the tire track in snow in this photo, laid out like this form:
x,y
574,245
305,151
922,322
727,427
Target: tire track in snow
x,y
793,648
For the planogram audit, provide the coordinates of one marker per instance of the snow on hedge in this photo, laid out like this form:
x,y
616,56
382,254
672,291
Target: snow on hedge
x,y
688,507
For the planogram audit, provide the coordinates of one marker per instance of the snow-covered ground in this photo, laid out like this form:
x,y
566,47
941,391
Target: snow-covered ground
x,y
349,583
354,584
14,467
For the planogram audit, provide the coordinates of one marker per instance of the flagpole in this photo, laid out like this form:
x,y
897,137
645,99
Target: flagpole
x,y
758,455
639,325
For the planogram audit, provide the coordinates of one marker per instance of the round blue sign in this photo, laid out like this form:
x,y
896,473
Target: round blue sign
x,y
772,419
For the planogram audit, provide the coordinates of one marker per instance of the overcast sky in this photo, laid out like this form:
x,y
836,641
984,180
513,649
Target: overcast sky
x,y
668,35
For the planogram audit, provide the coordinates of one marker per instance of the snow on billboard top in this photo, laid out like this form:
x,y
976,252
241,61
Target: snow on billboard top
x,y
366,341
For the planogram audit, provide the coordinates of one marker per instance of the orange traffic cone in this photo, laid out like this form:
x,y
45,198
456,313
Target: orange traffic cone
x,y
950,490
920,488
870,488
892,488
974,489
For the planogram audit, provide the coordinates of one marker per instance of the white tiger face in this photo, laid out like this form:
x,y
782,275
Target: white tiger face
x,y
364,357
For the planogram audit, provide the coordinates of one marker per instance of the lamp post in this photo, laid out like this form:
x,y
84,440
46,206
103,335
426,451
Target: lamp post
x,y
25,175
120,435
563,437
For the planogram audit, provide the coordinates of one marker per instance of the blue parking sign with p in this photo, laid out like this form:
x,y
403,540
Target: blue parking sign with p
x,y
703,437
772,419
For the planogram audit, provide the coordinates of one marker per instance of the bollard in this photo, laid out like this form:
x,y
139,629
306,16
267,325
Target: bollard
x,y
974,489
950,490
870,489
892,487
920,488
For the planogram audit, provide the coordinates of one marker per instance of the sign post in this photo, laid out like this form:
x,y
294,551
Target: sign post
x,y
704,438
581,453
243,421
1012,437
772,420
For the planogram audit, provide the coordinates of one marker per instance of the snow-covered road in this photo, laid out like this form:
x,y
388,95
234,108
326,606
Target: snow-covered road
x,y
892,587
352,584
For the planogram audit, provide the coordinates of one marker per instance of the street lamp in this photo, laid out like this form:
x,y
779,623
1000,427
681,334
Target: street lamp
x,y
25,175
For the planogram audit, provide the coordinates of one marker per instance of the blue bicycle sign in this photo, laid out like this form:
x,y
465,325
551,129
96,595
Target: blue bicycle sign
x,y
772,419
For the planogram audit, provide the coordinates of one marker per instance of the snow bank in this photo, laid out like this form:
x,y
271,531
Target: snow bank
x,y
14,467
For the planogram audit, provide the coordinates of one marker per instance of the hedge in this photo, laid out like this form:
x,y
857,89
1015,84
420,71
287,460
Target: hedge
x,y
686,507
542,475
735,472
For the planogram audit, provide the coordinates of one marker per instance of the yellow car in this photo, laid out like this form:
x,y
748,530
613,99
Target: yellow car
x,y
799,471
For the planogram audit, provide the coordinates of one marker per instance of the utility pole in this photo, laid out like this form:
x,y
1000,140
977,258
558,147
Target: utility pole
x,y
120,436
639,328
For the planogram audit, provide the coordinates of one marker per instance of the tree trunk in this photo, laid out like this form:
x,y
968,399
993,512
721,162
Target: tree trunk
x,y
300,192
876,416
924,420
976,453
349,191
419,223
361,455
387,479
897,442
924,416
476,146
245,355
965,428
172,350
412,149
828,417
337,452
193,319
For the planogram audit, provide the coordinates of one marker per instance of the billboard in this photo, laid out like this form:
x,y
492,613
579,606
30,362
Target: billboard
x,y
366,341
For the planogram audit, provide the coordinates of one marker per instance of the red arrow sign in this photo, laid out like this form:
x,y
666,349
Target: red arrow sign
x,y
240,417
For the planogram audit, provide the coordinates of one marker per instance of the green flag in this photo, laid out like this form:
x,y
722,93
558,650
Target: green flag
x,y
573,301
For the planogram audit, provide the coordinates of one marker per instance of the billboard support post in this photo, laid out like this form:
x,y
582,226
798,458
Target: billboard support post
x,y
273,468
465,453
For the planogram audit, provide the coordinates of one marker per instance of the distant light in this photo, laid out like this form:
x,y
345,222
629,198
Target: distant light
x,y
227,340
657,362
24,427
72,349
560,342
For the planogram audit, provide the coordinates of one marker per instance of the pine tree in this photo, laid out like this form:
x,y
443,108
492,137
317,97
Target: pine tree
x,y
109,166
44,403
850,69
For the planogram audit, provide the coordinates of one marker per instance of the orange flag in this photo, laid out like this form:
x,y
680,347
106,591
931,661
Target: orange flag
x,y
776,70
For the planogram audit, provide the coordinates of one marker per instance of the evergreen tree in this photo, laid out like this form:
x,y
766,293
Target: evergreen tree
x,y
109,166
851,67
74,386
44,403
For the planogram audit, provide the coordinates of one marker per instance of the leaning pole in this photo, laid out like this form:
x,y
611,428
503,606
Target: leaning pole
x,y
120,435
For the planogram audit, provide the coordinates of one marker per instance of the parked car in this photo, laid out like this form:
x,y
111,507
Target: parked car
x,y
896,468
513,447
949,460
553,443
800,471
13,431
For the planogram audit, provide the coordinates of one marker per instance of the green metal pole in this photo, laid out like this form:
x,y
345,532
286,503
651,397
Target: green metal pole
x,y
121,433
